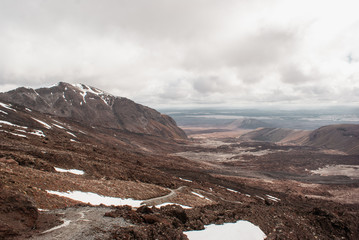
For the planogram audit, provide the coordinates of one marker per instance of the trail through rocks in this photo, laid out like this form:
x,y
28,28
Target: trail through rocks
x,y
82,223
163,199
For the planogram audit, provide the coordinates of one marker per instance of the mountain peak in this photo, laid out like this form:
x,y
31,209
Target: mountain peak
x,y
94,107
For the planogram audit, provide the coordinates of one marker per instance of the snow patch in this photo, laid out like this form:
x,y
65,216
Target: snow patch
x,y
84,89
272,198
243,230
15,134
11,124
43,210
186,180
96,199
231,190
1,111
7,106
58,126
73,171
168,203
201,196
260,197
71,134
42,123
38,133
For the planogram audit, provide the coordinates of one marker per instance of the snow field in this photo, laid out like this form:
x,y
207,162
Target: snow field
x,y
243,230
96,199
168,203
73,171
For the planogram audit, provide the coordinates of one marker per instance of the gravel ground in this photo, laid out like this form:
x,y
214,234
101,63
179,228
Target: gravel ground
x,y
82,223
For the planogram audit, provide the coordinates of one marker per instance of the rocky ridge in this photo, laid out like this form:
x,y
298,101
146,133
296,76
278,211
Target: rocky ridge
x,y
94,107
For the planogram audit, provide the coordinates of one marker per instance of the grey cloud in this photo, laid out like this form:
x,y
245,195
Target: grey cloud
x,y
293,75
210,84
167,50
268,46
155,18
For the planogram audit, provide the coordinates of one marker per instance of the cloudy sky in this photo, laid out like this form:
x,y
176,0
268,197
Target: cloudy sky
x,y
187,52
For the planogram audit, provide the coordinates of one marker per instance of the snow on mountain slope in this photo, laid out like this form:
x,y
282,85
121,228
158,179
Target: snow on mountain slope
x,y
93,107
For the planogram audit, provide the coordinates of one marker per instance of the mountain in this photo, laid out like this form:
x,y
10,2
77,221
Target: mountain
x,y
95,108
248,123
276,135
47,161
343,137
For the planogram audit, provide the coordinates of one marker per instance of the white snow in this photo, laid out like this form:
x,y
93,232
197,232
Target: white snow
x,y
1,111
15,134
231,190
272,198
43,210
186,180
19,135
38,133
168,203
28,109
260,197
21,130
201,196
7,106
63,95
73,140
58,126
71,134
243,230
11,124
42,123
73,171
84,89
95,199
197,194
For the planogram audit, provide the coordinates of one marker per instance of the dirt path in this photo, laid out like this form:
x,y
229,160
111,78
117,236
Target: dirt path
x,y
89,222
82,223
163,199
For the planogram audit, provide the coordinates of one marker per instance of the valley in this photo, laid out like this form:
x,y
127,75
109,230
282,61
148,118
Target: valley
x,y
156,181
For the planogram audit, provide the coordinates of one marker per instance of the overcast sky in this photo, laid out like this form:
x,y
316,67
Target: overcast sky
x,y
187,52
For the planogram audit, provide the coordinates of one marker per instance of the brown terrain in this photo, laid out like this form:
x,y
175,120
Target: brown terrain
x,y
293,185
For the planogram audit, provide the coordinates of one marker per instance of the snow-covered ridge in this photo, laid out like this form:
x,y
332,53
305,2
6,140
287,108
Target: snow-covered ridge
x,y
84,90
